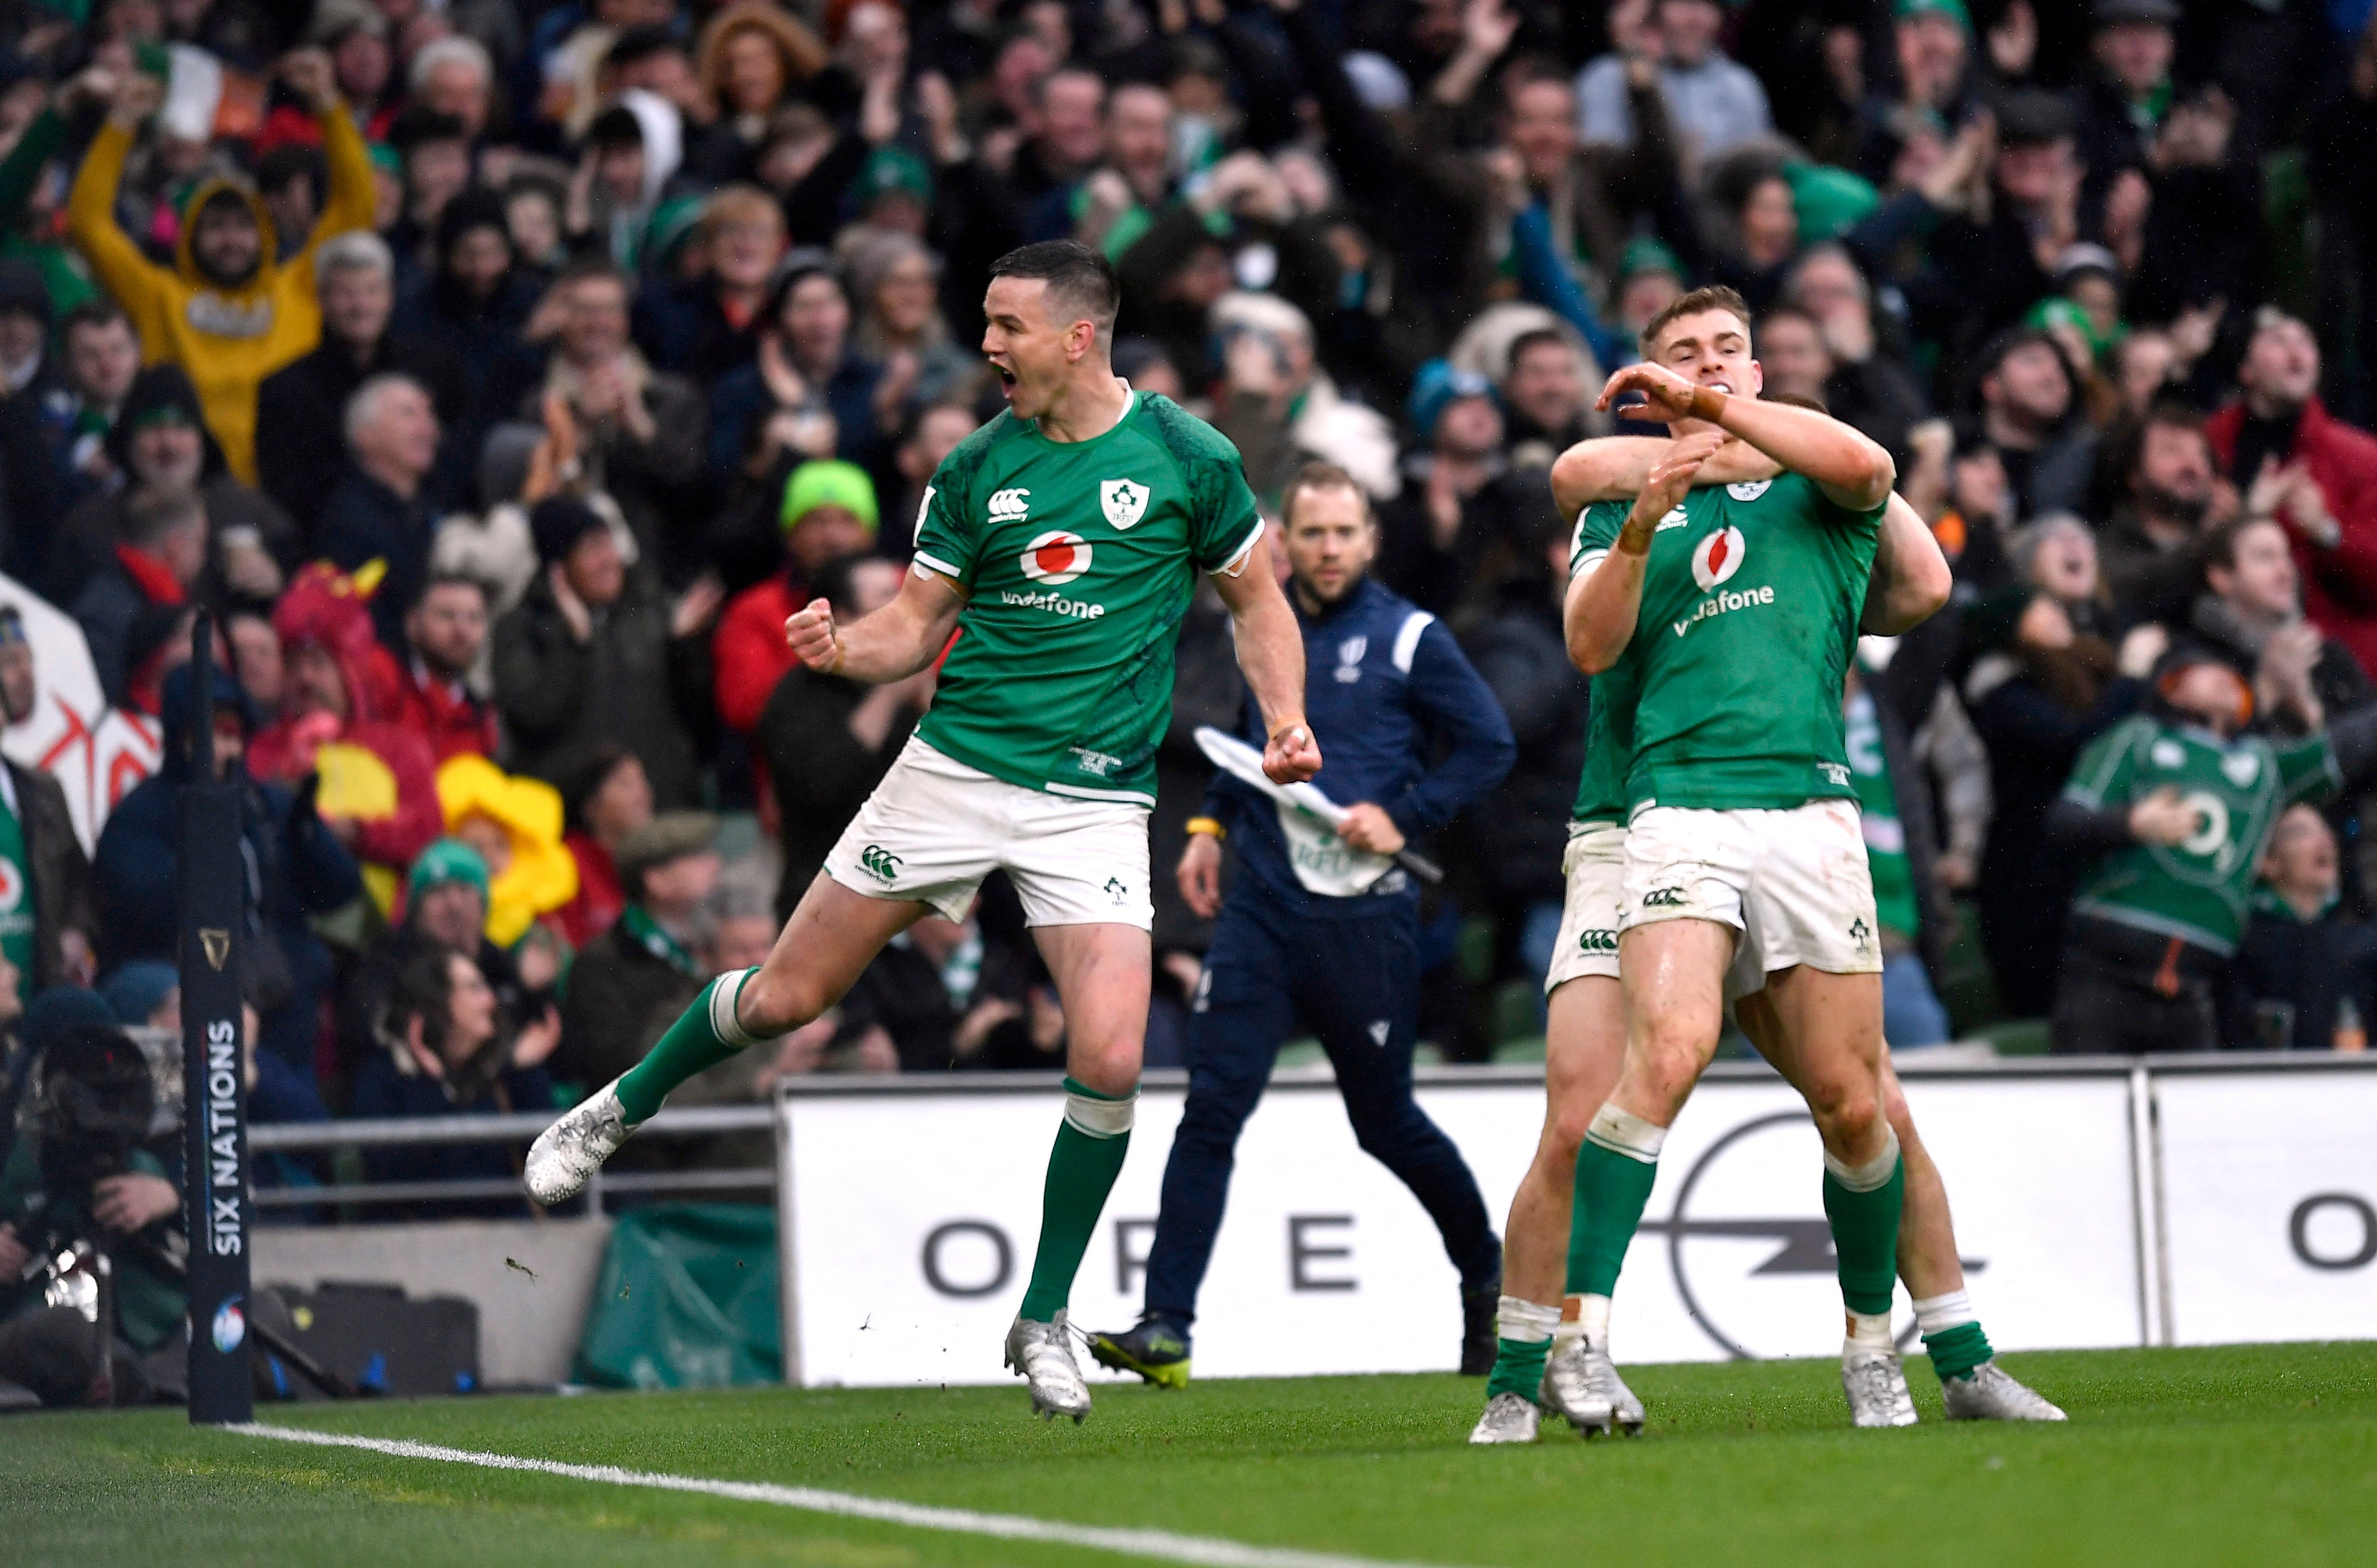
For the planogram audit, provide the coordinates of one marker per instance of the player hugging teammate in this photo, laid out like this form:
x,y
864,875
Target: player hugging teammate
x,y
1717,594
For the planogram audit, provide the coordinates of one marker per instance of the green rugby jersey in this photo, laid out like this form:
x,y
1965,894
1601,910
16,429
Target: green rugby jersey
x,y
1077,558
1749,614
2200,889
1609,710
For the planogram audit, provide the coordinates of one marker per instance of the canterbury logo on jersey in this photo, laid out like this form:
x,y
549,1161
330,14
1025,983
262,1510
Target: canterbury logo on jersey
x,y
1597,941
880,862
1010,505
1663,898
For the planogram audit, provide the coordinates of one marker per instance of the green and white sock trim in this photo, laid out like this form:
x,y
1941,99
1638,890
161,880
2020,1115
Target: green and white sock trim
x,y
1095,1114
1622,1132
1522,1332
724,1021
1874,1174
1952,1332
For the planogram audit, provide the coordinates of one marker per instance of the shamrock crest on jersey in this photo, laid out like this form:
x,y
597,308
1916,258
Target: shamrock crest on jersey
x,y
1123,501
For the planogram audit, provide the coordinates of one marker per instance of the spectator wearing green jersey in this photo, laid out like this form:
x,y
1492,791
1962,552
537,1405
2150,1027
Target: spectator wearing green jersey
x,y
2175,804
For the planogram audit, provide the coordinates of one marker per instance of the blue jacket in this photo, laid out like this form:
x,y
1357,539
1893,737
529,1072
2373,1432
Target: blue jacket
x,y
295,868
1383,683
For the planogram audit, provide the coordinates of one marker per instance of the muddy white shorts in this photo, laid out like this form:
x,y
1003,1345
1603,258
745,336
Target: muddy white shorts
x,y
1795,883
935,828
1595,868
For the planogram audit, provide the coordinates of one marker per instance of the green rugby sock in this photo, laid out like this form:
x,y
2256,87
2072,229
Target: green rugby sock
x,y
1863,1205
1616,1165
1956,1351
1082,1171
1519,1368
1524,1340
705,1035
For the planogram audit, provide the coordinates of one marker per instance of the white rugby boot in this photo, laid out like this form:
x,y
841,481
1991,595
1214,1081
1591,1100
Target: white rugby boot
x,y
1876,1385
567,1154
1508,1417
1042,1354
1989,1393
1580,1383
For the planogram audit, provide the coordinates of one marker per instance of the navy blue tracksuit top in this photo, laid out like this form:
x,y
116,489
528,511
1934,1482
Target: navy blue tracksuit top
x,y
1383,681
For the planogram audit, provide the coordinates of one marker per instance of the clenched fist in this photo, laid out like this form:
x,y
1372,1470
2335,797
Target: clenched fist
x,y
815,641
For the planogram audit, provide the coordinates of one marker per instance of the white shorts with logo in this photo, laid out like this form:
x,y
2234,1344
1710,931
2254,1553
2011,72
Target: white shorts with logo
x,y
1595,868
1795,883
935,828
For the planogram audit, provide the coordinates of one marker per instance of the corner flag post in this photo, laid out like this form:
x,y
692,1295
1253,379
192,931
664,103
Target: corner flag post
x,y
214,1114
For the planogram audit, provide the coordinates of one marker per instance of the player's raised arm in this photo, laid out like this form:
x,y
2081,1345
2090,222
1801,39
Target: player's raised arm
x,y
1910,580
889,644
1604,602
1271,653
1614,468
1848,466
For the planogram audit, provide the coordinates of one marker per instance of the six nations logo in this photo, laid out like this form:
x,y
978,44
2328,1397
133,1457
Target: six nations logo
x,y
1056,558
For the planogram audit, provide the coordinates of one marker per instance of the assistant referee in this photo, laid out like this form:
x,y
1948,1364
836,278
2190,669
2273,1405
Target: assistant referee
x,y
1321,928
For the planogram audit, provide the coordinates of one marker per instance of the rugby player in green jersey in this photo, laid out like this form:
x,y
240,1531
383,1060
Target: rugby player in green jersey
x,y
1060,543
1545,1358
1743,852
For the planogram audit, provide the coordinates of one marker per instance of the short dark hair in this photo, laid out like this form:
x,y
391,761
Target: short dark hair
x,y
94,313
1321,476
616,126
1536,338
451,579
1785,310
152,513
1079,278
1716,296
2219,548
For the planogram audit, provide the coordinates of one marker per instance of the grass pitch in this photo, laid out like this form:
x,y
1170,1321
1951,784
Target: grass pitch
x,y
2252,1455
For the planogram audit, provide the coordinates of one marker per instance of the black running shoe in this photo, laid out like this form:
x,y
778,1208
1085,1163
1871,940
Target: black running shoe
x,y
1478,1308
1157,1350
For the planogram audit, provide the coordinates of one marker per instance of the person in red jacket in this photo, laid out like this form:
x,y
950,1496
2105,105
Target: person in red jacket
x,y
2310,471
445,633
829,512
378,791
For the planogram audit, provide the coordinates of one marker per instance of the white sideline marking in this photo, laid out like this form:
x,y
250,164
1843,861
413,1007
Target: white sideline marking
x,y
1205,1551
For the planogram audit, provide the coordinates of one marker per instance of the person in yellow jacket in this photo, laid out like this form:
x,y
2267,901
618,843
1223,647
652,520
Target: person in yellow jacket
x,y
226,311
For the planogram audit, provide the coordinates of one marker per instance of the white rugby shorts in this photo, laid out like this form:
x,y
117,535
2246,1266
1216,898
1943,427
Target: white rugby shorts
x,y
1795,883
1595,868
935,828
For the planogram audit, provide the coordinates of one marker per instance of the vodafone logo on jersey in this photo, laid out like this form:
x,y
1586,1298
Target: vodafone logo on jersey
x,y
12,887
1056,558
1717,558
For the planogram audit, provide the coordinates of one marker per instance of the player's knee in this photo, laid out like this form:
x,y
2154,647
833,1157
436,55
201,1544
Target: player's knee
x,y
1111,1067
771,1003
1848,1114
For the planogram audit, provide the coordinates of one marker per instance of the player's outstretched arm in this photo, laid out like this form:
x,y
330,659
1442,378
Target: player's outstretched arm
x,y
1910,580
1614,468
889,644
1603,602
1271,653
1847,465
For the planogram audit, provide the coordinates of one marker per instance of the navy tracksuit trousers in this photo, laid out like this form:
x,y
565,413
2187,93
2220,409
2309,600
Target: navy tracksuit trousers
x,y
1354,982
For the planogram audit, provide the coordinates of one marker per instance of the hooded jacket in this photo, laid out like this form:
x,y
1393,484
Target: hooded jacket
x,y
295,868
229,339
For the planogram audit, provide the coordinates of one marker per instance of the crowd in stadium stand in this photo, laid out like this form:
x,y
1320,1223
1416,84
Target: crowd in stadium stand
x,y
500,373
